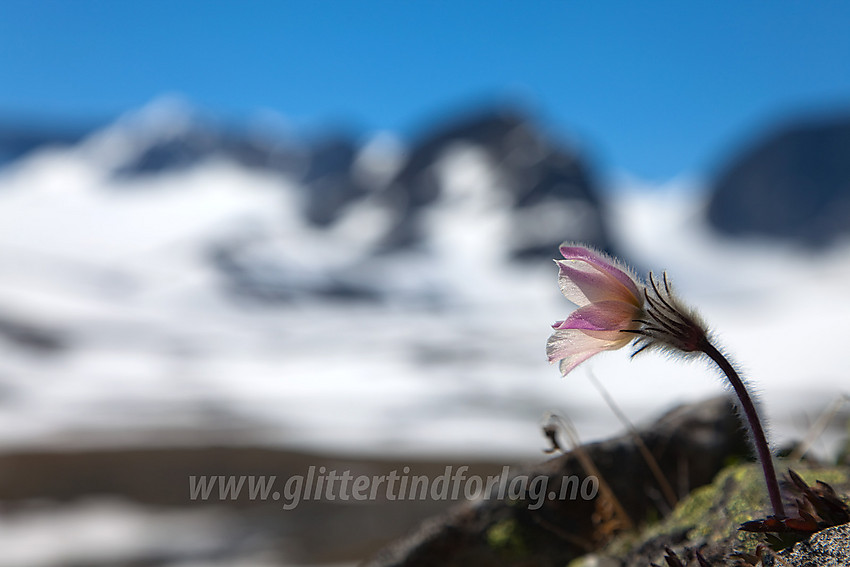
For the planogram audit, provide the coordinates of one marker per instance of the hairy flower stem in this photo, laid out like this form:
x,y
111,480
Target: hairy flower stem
x,y
749,408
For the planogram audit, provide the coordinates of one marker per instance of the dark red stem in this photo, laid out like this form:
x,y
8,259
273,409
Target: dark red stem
x,y
759,438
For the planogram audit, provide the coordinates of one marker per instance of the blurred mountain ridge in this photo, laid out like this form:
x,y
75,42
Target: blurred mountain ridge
x,y
791,182
177,293
493,163
491,177
18,140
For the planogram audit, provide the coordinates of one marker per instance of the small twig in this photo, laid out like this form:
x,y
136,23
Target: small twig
x,y
590,468
666,489
817,429
551,433
560,532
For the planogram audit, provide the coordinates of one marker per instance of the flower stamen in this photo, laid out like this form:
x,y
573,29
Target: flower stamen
x,y
640,350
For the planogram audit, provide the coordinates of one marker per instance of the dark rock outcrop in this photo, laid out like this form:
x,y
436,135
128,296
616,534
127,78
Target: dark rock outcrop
x,y
331,180
828,548
17,141
323,166
196,144
708,520
691,444
549,186
31,336
793,184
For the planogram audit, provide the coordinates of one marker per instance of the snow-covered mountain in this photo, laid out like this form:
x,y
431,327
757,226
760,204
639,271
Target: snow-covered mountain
x,y
166,275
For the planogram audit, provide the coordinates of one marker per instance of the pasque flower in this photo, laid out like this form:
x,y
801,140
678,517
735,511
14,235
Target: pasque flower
x,y
616,308
609,301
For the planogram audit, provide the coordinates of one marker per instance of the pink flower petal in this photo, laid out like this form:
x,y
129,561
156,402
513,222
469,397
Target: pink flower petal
x,y
567,364
573,346
603,264
582,283
616,339
572,343
602,316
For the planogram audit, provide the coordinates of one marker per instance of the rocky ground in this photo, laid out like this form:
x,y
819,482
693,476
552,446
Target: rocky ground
x,y
133,506
694,445
708,520
137,500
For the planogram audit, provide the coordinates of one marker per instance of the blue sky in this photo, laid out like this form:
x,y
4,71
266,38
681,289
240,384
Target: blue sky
x,y
654,89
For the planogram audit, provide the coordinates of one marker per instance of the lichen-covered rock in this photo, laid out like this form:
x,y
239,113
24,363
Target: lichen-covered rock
x,y
691,443
828,548
709,518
